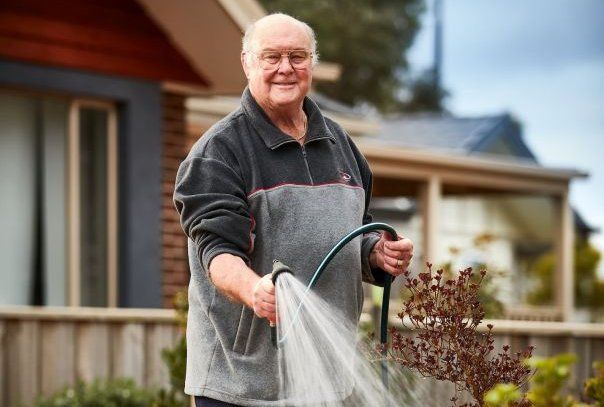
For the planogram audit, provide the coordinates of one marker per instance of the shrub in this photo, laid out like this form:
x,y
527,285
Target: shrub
x,y
444,315
489,291
550,379
589,287
110,393
548,385
100,393
502,395
176,358
594,387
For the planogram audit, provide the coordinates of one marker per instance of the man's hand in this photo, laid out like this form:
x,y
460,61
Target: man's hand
x,y
393,257
263,299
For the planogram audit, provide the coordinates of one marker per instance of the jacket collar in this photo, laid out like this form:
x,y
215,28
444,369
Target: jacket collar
x,y
271,135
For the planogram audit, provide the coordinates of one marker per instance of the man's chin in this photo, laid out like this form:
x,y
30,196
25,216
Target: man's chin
x,y
283,100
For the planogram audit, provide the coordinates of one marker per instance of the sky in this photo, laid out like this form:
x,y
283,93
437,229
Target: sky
x,y
543,62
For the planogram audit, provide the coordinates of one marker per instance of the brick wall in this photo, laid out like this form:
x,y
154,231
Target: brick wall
x,y
175,145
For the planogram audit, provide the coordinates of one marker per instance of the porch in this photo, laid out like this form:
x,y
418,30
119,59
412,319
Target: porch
x,y
429,178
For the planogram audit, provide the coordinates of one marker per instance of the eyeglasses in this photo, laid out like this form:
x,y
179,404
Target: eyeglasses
x,y
298,58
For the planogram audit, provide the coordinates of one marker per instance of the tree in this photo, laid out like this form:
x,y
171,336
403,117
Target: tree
x,y
589,289
367,38
425,95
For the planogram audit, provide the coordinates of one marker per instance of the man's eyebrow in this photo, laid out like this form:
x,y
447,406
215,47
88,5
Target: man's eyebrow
x,y
283,49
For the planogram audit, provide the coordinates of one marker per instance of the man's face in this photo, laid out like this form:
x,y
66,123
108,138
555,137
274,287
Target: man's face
x,y
281,86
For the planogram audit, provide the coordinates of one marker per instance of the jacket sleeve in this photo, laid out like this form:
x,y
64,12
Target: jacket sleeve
x,y
210,197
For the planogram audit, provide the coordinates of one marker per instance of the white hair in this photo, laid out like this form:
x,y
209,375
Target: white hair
x,y
246,41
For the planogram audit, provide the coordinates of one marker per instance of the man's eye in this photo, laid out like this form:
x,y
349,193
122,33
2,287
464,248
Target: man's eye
x,y
272,57
298,57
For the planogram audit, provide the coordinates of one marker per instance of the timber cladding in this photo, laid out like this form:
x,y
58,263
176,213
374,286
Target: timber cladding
x,y
109,36
41,353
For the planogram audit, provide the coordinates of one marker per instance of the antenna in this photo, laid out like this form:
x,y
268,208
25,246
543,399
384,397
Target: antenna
x,y
437,44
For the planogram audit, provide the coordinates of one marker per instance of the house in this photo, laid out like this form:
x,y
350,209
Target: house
x,y
92,130
92,105
507,230
89,102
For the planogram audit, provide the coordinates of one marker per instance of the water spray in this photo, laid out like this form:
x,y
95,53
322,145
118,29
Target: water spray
x,y
279,268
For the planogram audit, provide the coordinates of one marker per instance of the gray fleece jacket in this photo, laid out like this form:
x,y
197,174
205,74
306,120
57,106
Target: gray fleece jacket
x,y
250,190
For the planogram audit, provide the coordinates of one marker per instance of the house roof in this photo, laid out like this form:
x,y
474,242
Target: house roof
x,y
208,33
458,135
107,37
208,36
444,133
332,105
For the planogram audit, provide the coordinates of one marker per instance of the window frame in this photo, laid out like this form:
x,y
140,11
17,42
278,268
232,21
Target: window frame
x,y
73,201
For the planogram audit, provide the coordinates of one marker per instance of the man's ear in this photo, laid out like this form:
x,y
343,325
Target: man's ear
x,y
244,64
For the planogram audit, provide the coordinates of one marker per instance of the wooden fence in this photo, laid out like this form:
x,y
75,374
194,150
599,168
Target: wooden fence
x,y
44,349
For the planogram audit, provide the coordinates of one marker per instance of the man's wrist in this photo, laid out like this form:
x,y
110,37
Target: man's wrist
x,y
373,258
374,255
252,293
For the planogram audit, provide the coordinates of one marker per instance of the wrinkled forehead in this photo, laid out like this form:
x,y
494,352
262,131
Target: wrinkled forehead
x,y
280,35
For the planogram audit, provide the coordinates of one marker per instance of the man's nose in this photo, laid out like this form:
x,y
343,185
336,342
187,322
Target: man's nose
x,y
285,65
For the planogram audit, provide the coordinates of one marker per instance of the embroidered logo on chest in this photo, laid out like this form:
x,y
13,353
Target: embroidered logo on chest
x,y
344,177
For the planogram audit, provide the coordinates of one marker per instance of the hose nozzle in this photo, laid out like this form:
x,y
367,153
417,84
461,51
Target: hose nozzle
x,y
278,268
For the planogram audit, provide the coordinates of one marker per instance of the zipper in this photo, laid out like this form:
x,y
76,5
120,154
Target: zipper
x,y
307,167
312,182
294,141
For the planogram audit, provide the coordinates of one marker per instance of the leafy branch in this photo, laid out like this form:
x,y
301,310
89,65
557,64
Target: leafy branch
x,y
444,315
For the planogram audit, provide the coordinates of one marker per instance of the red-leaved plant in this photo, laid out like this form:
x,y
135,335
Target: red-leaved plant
x,y
443,317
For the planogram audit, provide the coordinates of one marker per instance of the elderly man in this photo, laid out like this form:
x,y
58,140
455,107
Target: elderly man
x,y
275,179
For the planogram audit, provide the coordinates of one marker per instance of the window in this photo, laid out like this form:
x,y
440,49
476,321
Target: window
x,y
58,209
